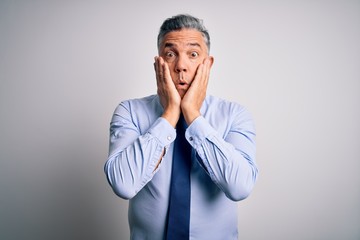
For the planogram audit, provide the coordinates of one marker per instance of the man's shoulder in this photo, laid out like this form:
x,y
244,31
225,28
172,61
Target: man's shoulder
x,y
218,102
221,110
141,100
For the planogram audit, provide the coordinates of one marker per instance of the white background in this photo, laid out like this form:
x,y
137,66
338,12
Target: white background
x,y
65,65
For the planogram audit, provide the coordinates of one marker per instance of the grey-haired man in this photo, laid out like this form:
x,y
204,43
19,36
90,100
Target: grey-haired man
x,y
222,168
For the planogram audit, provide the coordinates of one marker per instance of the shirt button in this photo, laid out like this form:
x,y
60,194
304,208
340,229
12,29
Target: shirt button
x,y
169,138
191,138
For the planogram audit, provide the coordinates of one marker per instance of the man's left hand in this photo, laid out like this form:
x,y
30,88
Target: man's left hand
x,y
194,97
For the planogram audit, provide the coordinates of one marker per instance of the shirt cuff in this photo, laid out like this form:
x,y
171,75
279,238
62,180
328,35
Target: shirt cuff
x,y
163,131
198,131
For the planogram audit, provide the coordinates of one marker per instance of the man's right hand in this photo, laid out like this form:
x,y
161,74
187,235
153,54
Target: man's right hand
x,y
169,96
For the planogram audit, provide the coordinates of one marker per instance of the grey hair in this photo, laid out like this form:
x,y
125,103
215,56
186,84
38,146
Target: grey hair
x,y
182,21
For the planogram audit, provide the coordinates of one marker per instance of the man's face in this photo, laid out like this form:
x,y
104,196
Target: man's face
x,y
183,51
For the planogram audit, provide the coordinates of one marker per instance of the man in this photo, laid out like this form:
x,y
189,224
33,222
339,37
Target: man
x,y
142,166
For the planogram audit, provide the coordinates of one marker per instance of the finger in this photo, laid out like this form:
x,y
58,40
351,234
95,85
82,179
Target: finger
x,y
199,73
156,67
155,62
159,72
207,68
200,78
166,73
205,72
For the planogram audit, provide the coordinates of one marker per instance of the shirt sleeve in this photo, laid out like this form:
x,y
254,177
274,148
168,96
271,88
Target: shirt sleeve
x,y
229,160
133,157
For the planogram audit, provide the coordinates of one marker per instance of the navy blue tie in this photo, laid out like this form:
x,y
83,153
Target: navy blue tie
x,y
179,206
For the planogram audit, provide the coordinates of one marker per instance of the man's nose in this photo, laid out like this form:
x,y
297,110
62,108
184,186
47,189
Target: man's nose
x,y
180,65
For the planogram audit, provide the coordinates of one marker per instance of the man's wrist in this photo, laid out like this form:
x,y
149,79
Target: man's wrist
x,y
172,116
190,116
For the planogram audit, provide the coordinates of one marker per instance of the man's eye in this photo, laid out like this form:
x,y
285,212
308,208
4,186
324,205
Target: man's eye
x,y
170,54
194,54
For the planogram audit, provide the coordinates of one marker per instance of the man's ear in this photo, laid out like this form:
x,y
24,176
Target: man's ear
x,y
211,58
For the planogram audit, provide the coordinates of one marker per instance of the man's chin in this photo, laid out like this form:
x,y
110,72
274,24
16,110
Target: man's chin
x,y
182,93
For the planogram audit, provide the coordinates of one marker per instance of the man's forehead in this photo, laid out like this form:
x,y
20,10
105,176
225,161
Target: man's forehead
x,y
187,37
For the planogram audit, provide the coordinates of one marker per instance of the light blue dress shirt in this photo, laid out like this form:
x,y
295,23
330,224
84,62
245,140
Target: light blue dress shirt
x,y
223,166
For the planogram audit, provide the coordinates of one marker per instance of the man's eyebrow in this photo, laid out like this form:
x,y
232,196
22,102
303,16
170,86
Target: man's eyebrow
x,y
170,45
194,45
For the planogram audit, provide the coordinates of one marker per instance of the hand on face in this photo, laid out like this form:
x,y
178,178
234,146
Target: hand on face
x,y
182,73
170,98
195,95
